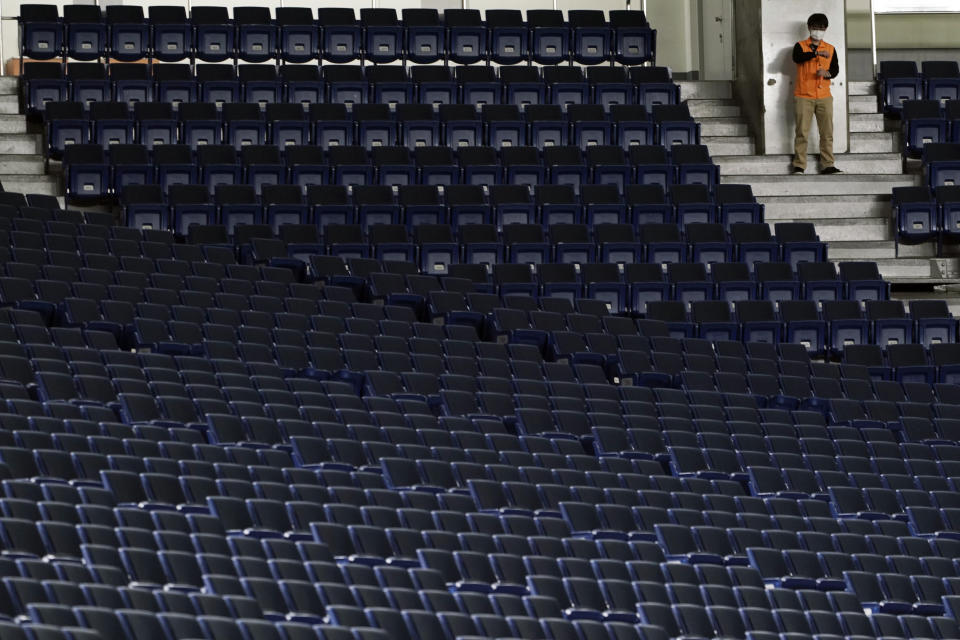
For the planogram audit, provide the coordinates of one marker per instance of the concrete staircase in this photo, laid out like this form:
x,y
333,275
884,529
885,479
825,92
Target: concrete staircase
x,y
851,210
22,166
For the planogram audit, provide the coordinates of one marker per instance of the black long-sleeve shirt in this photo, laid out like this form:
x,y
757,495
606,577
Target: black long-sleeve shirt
x,y
800,56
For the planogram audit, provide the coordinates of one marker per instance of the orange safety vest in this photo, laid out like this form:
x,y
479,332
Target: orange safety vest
x,y
808,84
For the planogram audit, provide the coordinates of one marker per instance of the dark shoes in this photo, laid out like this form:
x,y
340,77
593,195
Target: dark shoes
x,y
828,171
796,169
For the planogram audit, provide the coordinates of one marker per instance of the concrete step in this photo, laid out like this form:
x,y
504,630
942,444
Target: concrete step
x,y
941,289
729,145
714,109
44,185
9,104
23,165
877,163
9,85
862,104
866,122
817,185
853,229
881,142
862,88
711,127
904,268
707,90
842,250
21,144
815,208
11,123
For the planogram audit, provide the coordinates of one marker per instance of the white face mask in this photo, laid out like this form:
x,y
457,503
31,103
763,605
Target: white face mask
x,y
816,34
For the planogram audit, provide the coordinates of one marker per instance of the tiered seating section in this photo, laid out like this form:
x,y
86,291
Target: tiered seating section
x,y
116,115
379,380
199,447
928,104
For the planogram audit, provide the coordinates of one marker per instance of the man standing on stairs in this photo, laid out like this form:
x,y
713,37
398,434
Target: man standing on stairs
x,y
816,63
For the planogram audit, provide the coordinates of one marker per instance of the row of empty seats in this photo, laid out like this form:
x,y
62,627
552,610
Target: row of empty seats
x,y
351,85
370,125
93,173
293,34
901,80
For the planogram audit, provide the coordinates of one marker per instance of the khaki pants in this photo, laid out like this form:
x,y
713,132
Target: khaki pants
x,y
806,109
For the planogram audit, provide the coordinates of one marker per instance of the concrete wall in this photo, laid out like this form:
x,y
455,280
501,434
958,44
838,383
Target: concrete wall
x,y
860,61
902,30
749,75
782,25
900,36
678,34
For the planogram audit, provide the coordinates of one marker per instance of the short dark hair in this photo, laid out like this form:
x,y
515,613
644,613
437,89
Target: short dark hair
x,y
817,20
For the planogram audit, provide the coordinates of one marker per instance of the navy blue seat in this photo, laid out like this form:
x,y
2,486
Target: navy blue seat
x,y
87,171
558,204
389,84
934,322
776,281
738,204
65,124
799,243
44,83
863,281
899,81
345,84
382,35
941,80
591,36
259,84
923,123
218,83
213,33
655,86
176,83
634,42
85,34
652,165
145,206
694,165
172,35
803,324
549,36
41,32
941,164
508,36
302,83
190,204
631,124
948,212
341,35
693,204
131,83
847,324
419,127
664,243
424,35
298,37
890,324
88,82
256,39
732,279
916,214
350,165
